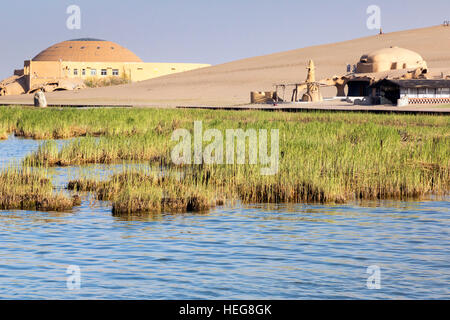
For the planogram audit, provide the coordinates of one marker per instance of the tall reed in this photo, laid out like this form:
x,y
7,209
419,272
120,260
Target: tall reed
x,y
28,189
134,191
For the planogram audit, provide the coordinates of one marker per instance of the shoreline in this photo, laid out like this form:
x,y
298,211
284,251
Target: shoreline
x,y
284,107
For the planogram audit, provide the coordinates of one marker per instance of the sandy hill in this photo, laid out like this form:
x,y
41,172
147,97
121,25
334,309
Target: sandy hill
x,y
231,83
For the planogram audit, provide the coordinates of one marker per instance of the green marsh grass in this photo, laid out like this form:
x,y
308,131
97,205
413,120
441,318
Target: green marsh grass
x,y
324,157
133,191
63,123
104,150
3,133
27,189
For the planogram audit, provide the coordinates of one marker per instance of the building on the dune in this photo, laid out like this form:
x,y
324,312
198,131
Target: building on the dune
x,y
387,63
397,76
388,76
66,66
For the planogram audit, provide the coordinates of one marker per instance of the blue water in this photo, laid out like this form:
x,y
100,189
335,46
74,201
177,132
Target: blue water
x,y
232,252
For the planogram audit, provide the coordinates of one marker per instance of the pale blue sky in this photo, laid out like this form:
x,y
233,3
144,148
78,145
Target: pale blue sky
x,y
201,30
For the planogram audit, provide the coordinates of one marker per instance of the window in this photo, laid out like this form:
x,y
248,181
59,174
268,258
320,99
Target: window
x,y
83,72
431,92
115,72
104,72
75,72
93,72
412,92
445,92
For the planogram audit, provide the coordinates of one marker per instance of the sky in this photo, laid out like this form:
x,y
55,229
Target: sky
x,y
202,31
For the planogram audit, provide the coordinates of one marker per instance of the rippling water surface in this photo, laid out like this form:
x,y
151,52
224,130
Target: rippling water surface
x,y
232,252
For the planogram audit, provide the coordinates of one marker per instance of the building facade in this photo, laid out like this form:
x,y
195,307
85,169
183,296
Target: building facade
x,y
418,91
67,65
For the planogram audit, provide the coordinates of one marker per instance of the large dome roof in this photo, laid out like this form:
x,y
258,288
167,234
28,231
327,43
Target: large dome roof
x,y
87,50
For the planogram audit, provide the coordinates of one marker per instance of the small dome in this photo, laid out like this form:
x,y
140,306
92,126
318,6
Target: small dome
x,y
393,58
394,53
87,50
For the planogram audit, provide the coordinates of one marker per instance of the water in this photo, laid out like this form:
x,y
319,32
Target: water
x,y
232,252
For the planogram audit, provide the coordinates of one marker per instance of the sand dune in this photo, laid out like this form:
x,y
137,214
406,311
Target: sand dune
x,y
231,83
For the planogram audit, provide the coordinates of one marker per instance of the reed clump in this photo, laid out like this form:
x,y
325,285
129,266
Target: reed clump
x,y
84,185
103,150
26,189
65,123
147,199
135,192
3,133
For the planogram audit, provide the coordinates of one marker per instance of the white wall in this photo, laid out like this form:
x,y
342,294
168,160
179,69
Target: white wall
x,y
425,93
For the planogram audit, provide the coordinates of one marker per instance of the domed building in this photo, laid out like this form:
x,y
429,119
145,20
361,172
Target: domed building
x,y
381,64
68,65
393,58
397,76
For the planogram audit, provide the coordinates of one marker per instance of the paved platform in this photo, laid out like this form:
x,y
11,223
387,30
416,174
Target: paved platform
x,y
337,106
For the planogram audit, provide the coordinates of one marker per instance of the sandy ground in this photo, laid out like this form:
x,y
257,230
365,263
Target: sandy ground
x,y
231,83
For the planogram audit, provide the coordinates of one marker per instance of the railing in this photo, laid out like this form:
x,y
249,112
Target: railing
x,y
428,100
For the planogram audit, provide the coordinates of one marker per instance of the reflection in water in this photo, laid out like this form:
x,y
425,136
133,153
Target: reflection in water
x,y
151,217
231,252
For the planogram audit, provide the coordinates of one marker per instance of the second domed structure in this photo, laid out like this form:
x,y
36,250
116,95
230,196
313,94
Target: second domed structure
x,y
393,58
